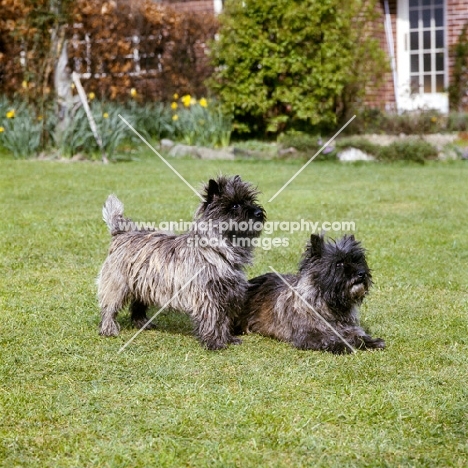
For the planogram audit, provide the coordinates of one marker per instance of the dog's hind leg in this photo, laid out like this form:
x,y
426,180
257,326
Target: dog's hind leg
x,y
112,296
138,315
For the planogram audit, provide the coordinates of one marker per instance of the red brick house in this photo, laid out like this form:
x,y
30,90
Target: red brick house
x,y
418,36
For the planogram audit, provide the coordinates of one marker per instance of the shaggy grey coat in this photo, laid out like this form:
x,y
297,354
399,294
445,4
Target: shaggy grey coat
x,y
200,272
332,281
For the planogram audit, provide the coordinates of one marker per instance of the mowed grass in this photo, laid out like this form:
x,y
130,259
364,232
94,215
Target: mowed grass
x,y
68,398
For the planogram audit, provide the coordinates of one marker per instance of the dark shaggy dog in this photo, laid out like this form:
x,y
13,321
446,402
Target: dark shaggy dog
x,y
147,268
333,278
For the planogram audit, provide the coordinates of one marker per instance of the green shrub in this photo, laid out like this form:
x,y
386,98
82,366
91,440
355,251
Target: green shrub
x,y
307,145
291,64
153,120
112,129
78,137
21,131
407,150
457,122
371,120
458,90
300,141
358,143
201,123
195,123
416,150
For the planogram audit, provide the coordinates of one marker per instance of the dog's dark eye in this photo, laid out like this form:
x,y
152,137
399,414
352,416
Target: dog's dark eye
x,y
340,264
236,206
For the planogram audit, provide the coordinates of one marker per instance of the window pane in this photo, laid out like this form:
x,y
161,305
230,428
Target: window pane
x,y
413,3
427,39
414,41
438,2
413,19
414,85
440,61
414,63
439,38
427,62
426,2
426,17
439,16
427,84
439,83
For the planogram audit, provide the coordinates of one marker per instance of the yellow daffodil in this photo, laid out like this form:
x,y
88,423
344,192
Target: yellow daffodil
x,y
24,84
203,102
39,117
175,117
186,100
91,96
133,92
193,101
10,114
174,106
176,96
105,115
2,129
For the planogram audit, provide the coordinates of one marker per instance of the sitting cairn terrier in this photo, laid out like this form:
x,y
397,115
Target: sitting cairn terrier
x,y
333,279
146,268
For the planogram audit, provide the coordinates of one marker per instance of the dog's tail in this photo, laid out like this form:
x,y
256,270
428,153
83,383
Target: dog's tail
x,y
112,214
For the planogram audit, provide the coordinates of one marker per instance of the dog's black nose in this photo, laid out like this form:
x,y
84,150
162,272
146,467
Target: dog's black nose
x,y
258,213
361,273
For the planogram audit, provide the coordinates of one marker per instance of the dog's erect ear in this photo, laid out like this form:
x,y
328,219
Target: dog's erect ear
x,y
212,191
352,238
316,244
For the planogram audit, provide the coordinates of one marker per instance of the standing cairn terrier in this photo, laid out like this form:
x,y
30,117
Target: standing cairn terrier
x,y
333,278
146,268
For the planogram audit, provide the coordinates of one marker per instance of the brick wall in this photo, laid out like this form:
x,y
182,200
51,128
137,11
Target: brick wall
x,y
383,96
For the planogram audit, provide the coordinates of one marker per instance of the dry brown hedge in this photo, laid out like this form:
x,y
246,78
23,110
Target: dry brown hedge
x,y
172,47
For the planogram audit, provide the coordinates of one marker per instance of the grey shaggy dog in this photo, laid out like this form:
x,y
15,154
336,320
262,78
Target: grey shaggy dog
x,y
146,268
333,278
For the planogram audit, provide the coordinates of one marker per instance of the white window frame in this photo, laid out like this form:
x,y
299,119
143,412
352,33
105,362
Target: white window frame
x,y
408,100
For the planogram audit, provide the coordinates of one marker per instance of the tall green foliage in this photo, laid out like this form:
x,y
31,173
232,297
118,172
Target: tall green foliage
x,y
294,63
458,90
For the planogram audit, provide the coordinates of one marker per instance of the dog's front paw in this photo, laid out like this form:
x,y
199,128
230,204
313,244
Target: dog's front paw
x,y
215,345
373,343
377,343
110,328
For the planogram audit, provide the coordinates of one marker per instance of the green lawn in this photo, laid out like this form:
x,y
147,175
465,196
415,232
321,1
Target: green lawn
x,y
67,399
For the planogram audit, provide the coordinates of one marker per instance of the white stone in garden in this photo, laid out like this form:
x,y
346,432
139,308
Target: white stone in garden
x,y
354,154
179,151
166,143
222,153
